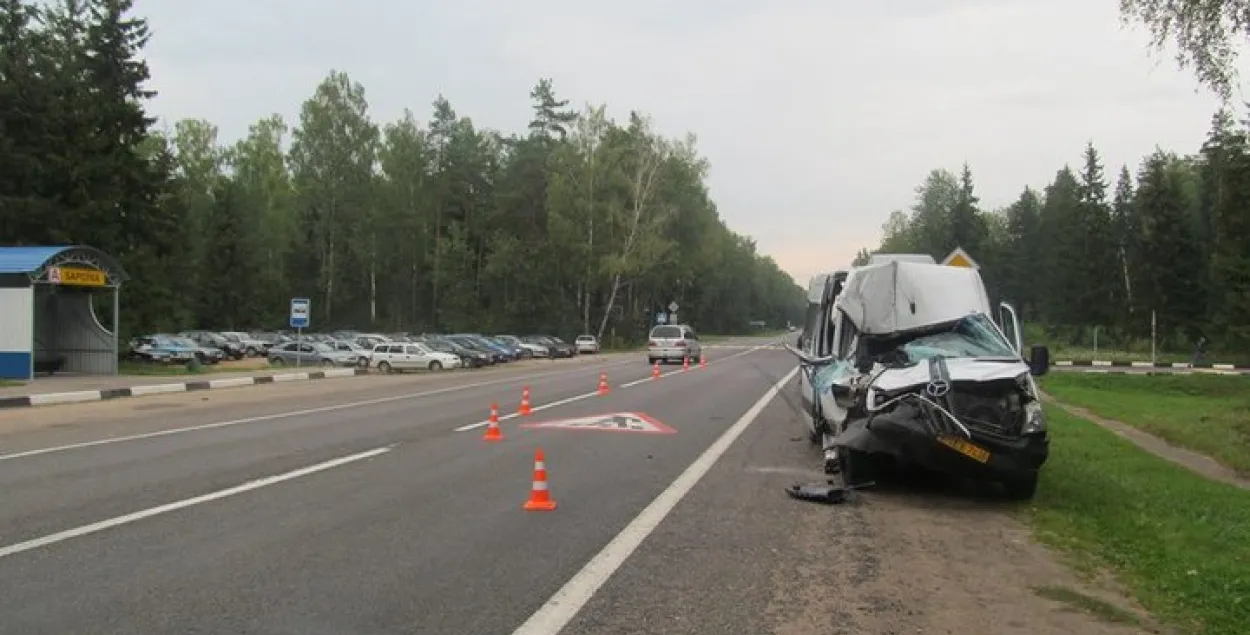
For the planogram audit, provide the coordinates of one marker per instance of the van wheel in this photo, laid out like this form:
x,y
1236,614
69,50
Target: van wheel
x,y
436,366
384,368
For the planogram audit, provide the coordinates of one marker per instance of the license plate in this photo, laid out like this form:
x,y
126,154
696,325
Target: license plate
x,y
970,450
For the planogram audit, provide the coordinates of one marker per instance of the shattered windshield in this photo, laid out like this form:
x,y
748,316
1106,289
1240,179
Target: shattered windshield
x,y
973,336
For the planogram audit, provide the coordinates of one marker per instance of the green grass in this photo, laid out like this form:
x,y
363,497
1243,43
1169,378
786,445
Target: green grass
x,y
1209,414
1179,542
7,383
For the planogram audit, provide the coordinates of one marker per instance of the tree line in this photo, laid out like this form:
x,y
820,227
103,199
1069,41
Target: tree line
x,y
1169,241
580,224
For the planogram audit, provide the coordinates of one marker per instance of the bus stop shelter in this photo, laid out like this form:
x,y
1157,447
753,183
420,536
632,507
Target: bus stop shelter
x,y
51,300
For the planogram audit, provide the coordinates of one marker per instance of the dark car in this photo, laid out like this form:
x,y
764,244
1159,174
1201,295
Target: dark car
x,y
471,358
559,348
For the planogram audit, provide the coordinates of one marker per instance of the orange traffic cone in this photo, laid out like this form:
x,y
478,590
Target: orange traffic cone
x,y
493,433
655,370
685,363
603,384
702,360
525,409
540,496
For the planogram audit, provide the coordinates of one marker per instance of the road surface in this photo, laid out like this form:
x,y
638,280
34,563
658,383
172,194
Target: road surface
x,y
372,505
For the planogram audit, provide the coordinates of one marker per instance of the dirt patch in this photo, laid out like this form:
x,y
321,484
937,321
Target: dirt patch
x,y
907,561
1194,461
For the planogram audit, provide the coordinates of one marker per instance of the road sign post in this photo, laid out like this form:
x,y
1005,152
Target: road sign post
x,y
300,319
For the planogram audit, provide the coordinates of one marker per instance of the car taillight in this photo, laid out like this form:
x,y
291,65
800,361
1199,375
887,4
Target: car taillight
x,y
681,343
652,343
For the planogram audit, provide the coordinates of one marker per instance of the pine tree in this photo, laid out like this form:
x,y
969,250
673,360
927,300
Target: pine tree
x,y
1100,292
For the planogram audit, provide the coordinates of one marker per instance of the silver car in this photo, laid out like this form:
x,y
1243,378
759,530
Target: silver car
x,y
673,342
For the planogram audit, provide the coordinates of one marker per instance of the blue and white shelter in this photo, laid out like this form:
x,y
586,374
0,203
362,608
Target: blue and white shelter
x,y
49,299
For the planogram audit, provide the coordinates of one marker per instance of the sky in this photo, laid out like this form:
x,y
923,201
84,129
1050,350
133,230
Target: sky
x,y
819,117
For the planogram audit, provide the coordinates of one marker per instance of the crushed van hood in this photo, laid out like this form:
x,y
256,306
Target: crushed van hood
x,y
958,370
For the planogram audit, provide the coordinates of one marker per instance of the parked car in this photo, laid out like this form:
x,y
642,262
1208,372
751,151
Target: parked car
x,y
561,347
518,351
399,357
351,347
540,345
208,339
532,349
510,354
161,349
469,358
206,354
586,344
311,354
673,342
269,339
497,354
251,346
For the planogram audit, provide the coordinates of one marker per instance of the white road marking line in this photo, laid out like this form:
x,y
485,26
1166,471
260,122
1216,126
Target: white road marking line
x,y
553,404
648,378
568,400
553,616
84,530
293,413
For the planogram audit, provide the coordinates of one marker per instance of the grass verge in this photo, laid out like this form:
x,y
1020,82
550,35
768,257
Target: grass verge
x,y
8,383
135,368
1209,414
1179,542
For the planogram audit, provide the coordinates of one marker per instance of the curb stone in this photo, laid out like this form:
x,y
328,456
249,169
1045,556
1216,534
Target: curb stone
x,y
1124,363
84,396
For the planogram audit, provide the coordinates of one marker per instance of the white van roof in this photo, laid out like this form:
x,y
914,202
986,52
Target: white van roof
x,y
877,259
900,296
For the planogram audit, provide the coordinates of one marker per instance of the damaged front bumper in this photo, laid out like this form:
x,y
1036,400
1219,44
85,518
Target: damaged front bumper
x,y
984,430
977,455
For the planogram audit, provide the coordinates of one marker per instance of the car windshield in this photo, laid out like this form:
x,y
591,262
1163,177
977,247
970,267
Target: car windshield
x,y
185,342
973,336
556,339
666,331
322,346
585,338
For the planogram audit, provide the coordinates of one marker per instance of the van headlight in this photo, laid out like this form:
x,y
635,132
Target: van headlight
x,y
1034,418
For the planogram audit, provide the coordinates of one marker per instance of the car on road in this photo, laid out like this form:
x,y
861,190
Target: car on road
x,y
673,342
586,344
402,356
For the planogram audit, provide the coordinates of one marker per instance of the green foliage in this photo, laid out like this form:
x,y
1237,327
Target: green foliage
x,y
578,225
1174,241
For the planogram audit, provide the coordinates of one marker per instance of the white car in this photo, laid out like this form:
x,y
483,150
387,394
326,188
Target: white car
x,y
586,344
400,356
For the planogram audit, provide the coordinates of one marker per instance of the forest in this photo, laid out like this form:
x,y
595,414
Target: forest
x,y
579,224
1166,241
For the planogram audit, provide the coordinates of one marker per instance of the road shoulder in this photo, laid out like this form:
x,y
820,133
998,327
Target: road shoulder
x,y
738,555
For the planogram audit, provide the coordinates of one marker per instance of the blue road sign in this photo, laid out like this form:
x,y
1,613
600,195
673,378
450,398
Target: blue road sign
x,y
300,313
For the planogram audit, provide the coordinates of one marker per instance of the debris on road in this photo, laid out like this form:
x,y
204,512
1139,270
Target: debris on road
x,y
828,492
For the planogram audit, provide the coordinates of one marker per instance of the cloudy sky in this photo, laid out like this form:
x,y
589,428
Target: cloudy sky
x,y
819,116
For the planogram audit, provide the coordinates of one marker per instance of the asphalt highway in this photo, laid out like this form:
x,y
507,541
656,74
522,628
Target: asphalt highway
x,y
372,505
